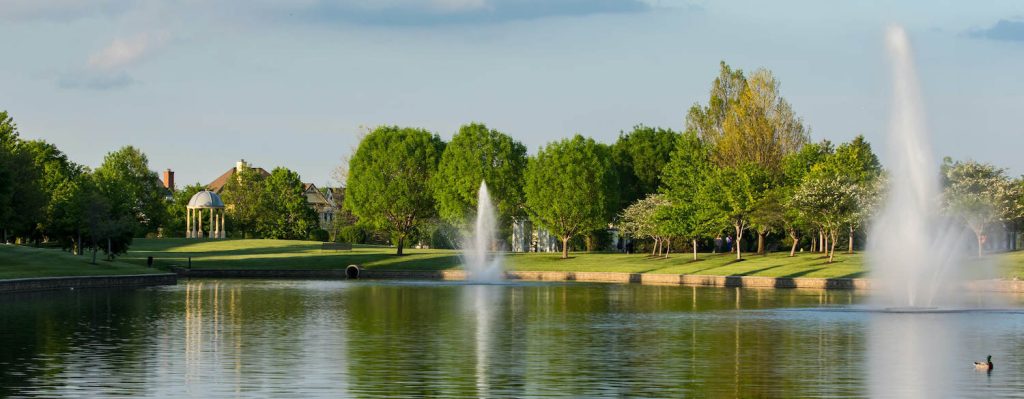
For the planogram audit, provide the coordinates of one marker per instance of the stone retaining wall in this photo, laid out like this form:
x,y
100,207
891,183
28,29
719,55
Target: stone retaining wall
x,y
257,273
598,277
59,283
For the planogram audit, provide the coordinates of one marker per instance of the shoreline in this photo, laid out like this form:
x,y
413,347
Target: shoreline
x,y
78,282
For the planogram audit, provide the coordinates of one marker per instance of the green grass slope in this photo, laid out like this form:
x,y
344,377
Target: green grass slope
x,y
26,262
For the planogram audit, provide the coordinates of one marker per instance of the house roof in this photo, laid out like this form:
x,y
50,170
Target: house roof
x,y
217,185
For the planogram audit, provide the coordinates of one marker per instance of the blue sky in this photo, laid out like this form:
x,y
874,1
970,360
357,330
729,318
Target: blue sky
x,y
198,86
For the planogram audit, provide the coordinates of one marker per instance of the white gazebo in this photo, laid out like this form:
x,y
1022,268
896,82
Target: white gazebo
x,y
211,202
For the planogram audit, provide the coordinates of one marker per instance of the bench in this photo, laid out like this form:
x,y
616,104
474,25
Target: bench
x,y
336,246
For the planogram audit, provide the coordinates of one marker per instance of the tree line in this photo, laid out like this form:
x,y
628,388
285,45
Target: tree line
x,y
47,199
743,167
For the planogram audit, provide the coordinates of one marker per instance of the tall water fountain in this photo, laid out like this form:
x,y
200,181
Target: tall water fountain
x,y
913,251
480,262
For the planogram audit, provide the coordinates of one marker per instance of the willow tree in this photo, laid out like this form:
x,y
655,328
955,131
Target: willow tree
x,y
570,187
389,179
477,154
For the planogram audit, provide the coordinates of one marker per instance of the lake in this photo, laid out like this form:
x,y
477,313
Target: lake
x,y
307,338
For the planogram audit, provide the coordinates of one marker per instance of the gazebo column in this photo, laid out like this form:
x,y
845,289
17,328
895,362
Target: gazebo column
x,y
188,223
216,221
223,219
213,227
199,219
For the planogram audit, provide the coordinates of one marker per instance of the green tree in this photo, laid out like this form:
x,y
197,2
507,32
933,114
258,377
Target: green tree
x,y
709,121
761,128
242,196
284,213
796,166
687,178
981,195
22,200
477,154
132,189
67,220
389,179
570,187
639,157
175,226
55,170
739,190
859,166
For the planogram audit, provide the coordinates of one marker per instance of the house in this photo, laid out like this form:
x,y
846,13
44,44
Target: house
x,y
322,203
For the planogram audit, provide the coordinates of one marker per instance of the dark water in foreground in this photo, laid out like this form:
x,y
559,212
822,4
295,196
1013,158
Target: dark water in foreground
x,y
229,338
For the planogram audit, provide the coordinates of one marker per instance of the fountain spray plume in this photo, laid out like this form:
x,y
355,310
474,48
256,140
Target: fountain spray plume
x,y
478,261
912,249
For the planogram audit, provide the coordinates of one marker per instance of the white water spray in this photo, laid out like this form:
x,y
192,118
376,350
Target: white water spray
x,y
912,251
479,262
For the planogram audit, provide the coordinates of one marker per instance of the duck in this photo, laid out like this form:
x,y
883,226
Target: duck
x,y
986,365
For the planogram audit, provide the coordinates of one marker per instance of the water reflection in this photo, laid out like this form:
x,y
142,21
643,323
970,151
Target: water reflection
x,y
226,338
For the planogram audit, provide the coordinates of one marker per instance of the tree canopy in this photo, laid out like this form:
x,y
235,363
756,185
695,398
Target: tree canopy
x,y
639,157
389,179
477,154
570,187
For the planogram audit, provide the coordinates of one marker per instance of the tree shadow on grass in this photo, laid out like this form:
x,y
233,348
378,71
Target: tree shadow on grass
x,y
803,273
752,272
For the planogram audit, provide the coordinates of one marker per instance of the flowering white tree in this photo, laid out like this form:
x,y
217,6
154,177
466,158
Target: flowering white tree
x,y
980,194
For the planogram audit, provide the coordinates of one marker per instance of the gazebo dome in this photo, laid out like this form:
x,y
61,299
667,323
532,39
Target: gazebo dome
x,y
204,200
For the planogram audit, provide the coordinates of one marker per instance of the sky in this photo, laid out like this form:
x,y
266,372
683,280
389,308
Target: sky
x,y
198,85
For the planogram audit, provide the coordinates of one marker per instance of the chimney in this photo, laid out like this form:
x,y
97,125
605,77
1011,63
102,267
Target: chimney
x,y
169,179
240,166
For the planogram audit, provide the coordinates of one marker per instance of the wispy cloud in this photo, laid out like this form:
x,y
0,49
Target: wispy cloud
x,y
106,69
124,51
1005,29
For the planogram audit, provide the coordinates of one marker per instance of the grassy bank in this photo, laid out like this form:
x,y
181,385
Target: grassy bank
x,y
284,254
22,262
26,262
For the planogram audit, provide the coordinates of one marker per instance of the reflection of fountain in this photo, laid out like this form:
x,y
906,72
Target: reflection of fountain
x,y
911,249
477,247
484,298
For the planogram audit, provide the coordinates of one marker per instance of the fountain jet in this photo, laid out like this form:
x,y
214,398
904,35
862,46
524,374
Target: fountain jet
x,y
911,246
478,261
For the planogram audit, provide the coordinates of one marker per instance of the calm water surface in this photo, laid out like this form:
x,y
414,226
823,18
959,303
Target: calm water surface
x,y
229,338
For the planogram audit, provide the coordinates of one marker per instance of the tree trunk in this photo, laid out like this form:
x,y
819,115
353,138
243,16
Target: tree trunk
x,y
565,247
977,235
760,242
814,243
110,251
739,239
668,247
94,250
694,249
850,250
792,250
832,250
401,244
826,241
821,241
654,248
590,242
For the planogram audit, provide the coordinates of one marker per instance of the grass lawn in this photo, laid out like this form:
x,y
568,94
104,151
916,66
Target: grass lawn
x,y
19,262
25,262
286,254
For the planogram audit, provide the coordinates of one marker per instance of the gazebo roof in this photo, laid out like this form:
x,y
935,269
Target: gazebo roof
x,y
205,199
